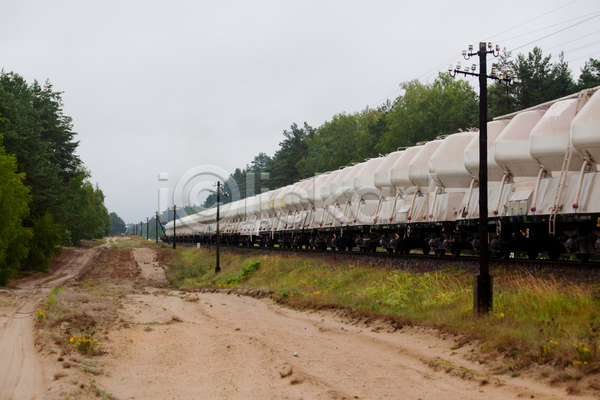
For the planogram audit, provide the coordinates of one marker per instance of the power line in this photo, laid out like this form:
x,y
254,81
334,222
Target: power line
x,y
549,26
595,14
386,97
575,49
581,37
539,16
436,68
554,33
589,55
583,47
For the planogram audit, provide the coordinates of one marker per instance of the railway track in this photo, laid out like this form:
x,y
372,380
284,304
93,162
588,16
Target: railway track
x,y
465,264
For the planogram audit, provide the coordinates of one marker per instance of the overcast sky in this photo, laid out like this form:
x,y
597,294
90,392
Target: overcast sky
x,y
165,86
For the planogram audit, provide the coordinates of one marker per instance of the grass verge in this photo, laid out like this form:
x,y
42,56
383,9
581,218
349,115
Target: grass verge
x,y
535,321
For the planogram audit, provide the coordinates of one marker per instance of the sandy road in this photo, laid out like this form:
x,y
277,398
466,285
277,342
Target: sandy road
x,y
174,345
217,346
220,346
21,372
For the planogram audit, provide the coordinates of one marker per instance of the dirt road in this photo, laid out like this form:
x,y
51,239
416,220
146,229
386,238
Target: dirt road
x,y
21,372
175,345
229,347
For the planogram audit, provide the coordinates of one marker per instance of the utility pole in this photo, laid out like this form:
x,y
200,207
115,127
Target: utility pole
x,y
156,226
174,226
147,227
483,283
218,266
141,229
219,184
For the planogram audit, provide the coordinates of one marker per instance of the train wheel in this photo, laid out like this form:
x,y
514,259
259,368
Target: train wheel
x,y
582,257
456,251
553,253
426,249
533,254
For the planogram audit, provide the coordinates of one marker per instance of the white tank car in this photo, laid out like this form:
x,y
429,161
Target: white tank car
x,y
383,182
336,196
418,175
315,219
366,199
543,190
452,179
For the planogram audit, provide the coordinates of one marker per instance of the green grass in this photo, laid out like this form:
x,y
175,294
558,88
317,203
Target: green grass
x,y
53,293
102,393
533,320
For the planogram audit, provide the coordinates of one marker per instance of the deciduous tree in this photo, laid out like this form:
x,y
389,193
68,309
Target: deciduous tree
x,y
426,111
14,200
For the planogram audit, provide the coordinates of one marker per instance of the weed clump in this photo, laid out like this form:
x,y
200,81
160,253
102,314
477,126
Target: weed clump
x,y
85,344
41,315
246,272
53,293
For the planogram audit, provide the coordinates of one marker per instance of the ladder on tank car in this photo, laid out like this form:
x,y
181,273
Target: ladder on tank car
x,y
557,204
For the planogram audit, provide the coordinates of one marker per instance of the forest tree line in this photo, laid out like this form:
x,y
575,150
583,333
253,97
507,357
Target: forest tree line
x,y
46,198
423,112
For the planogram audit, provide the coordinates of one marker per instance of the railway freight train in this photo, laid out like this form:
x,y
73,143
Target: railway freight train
x,y
543,194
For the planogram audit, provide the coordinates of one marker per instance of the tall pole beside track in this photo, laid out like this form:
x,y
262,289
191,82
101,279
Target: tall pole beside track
x,y
174,226
218,266
156,226
483,283
147,227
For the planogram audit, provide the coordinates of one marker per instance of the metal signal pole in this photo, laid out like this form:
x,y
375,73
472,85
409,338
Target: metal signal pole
x,y
218,266
483,283
174,226
219,184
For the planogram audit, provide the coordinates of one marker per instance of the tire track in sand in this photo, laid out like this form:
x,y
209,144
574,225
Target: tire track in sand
x,y
21,372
